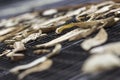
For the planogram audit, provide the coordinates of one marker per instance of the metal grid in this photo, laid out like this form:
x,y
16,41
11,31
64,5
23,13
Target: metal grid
x,y
66,65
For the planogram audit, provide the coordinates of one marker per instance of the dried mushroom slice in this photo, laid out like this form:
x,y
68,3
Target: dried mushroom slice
x,y
112,48
55,51
52,23
38,68
89,24
68,36
16,30
18,46
98,63
99,39
39,51
6,30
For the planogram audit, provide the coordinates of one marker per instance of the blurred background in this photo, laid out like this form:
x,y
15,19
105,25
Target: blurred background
x,y
14,7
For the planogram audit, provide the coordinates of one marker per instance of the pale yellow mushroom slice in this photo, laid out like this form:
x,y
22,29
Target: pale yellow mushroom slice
x,y
112,48
84,25
99,39
38,68
98,63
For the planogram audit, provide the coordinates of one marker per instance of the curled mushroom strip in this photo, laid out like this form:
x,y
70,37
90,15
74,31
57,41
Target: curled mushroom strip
x,y
100,38
38,68
55,51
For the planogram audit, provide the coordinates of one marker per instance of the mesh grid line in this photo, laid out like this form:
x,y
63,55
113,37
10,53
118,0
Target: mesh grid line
x,y
66,65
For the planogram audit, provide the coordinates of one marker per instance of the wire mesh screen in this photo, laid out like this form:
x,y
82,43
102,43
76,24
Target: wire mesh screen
x,y
67,64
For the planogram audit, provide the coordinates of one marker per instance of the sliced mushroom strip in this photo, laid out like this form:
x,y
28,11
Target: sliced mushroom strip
x,y
17,57
8,22
29,37
55,51
19,46
108,48
111,11
105,3
95,8
5,52
98,63
83,34
16,20
18,29
72,35
99,12
26,16
103,9
41,51
33,36
6,30
52,23
25,33
49,27
99,39
49,12
38,68
106,22
84,25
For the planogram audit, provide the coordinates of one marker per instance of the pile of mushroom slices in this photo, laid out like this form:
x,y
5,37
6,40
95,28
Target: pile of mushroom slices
x,y
19,30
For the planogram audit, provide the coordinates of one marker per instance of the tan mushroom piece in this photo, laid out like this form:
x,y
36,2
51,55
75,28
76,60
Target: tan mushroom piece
x,y
99,39
38,68
99,63
112,48
55,51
